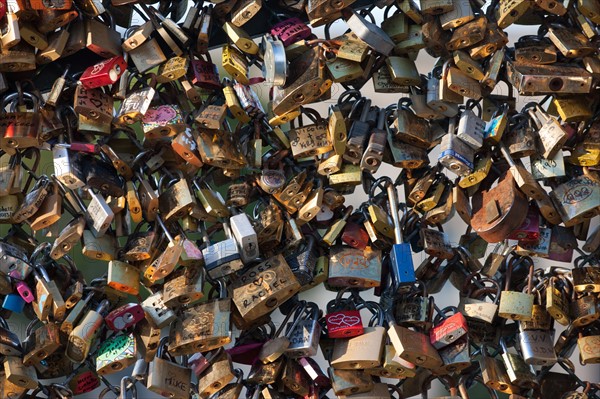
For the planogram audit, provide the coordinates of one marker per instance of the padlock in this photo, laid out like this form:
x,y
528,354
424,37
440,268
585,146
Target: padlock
x,y
18,373
218,374
471,129
278,284
161,121
583,309
266,373
349,382
588,349
342,318
516,305
413,346
415,309
19,129
82,336
184,286
456,156
537,347
548,78
166,377
214,320
304,338
303,259
492,218
223,257
277,344
158,313
116,353
309,140
124,317
362,351
449,329
147,338
519,373
575,199
350,267
477,309
494,373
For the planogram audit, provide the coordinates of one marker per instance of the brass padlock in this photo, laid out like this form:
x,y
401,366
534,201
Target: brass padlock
x,y
262,288
218,374
167,378
361,352
516,305
202,327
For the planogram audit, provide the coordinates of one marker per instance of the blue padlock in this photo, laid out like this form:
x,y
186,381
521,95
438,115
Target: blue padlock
x,y
14,303
402,267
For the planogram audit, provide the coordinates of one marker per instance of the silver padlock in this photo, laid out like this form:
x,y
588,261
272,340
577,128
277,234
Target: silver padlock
x,y
471,129
304,339
223,257
455,155
537,347
245,235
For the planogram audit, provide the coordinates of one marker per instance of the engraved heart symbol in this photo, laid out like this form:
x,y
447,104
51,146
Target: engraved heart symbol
x,y
336,319
342,319
258,281
351,320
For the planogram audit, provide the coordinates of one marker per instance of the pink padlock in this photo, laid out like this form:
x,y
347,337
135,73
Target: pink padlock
x,y
290,31
198,363
25,292
529,231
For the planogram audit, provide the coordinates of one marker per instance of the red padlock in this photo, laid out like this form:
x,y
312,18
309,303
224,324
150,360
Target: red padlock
x,y
124,316
2,8
342,318
290,31
103,73
355,236
446,330
529,231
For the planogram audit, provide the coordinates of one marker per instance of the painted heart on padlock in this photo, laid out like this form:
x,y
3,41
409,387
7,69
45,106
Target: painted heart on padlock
x,y
344,324
342,319
161,115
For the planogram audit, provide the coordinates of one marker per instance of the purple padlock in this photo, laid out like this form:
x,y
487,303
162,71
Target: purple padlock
x,y
290,31
246,353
